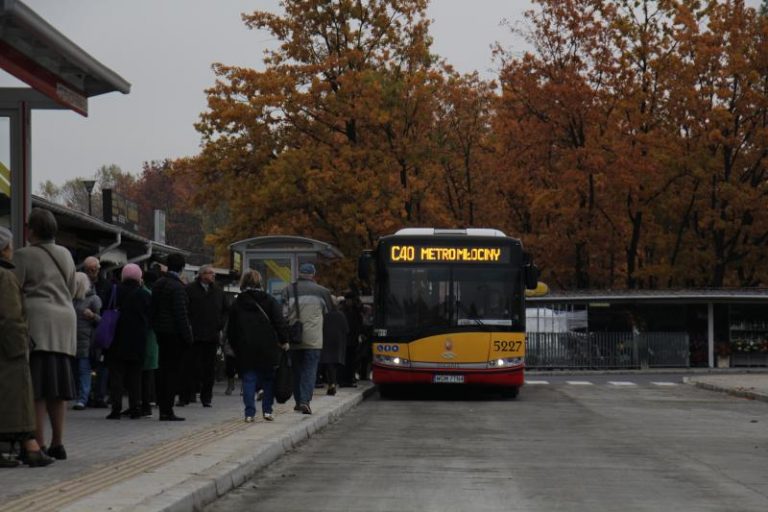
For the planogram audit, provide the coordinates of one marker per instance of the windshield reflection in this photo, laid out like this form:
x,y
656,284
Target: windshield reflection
x,y
419,298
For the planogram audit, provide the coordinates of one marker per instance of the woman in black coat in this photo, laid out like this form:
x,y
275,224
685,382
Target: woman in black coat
x,y
125,357
257,332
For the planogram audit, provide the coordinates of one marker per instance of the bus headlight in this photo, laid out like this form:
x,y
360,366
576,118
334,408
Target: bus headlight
x,y
505,363
391,360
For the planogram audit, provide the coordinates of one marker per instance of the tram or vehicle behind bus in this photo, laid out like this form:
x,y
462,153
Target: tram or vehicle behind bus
x,y
449,308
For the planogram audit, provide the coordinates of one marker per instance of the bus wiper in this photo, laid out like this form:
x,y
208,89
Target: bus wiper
x,y
469,315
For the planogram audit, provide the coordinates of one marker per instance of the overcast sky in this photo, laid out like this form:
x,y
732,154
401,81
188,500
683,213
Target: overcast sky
x,y
165,48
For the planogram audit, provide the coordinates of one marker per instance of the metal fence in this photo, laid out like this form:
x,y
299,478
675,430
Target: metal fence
x,y
607,350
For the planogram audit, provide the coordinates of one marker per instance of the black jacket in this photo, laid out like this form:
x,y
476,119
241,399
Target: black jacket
x,y
132,329
255,339
206,311
170,313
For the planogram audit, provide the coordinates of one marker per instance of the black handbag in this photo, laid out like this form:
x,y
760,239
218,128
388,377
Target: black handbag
x,y
296,329
284,379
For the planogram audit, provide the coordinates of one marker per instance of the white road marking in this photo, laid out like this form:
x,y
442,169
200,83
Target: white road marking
x,y
664,383
536,382
579,382
621,383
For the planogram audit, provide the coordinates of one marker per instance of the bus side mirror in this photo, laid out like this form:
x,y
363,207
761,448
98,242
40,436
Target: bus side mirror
x,y
531,276
531,272
541,290
364,266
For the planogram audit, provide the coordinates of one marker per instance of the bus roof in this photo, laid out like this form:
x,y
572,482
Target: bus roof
x,y
450,232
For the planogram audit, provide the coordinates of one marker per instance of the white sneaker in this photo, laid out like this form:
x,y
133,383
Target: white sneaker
x,y
249,419
268,416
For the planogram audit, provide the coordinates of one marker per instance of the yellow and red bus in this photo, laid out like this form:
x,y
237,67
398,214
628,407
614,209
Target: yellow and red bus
x,y
449,308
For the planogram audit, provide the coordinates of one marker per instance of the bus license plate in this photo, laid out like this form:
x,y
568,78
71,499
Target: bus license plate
x,y
448,379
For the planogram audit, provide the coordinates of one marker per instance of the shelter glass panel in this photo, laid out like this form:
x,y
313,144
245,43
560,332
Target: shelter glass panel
x,y
275,272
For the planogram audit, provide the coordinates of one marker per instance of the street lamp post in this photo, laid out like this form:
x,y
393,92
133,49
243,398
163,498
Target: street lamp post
x,y
89,184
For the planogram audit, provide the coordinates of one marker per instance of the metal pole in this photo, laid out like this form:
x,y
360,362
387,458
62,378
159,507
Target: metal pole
x,y
711,335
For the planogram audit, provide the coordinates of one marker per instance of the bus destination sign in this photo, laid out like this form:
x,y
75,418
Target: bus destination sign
x,y
458,254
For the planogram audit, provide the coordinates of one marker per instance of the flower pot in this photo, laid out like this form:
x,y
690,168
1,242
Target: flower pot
x,y
723,361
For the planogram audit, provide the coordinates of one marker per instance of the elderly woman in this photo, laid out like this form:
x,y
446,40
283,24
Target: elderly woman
x,y
17,412
87,307
46,273
125,357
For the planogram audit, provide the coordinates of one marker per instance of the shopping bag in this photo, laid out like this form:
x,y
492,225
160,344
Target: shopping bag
x,y
104,334
284,379
296,333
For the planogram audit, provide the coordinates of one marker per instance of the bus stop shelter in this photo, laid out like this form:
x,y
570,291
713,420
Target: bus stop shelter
x,y
61,75
278,258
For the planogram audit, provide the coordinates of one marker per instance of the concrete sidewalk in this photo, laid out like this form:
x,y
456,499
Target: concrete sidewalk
x,y
752,385
148,465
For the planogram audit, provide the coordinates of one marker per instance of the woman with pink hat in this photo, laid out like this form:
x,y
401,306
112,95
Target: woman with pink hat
x,y
125,357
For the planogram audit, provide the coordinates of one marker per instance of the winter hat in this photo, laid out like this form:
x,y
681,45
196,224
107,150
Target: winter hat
x,y
6,237
131,271
307,269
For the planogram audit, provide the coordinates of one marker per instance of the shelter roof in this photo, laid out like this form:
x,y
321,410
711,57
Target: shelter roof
x,y
680,295
92,232
287,243
35,52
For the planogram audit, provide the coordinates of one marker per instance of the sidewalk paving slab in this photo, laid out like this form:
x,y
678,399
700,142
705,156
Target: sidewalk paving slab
x,y
148,465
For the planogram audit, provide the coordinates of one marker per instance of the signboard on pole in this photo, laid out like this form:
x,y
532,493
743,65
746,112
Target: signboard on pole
x,y
159,233
120,211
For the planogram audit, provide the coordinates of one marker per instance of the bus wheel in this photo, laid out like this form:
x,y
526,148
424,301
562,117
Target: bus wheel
x,y
510,392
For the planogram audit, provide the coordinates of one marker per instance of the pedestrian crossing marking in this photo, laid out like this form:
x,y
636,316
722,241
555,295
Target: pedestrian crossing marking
x,y
616,383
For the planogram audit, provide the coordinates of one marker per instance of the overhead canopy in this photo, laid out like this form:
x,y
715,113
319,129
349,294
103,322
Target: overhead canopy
x,y
38,54
88,236
287,243
673,296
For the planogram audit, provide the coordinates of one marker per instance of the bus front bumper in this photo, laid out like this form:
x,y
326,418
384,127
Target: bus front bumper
x,y
507,377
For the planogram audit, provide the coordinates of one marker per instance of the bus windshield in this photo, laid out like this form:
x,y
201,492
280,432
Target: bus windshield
x,y
418,298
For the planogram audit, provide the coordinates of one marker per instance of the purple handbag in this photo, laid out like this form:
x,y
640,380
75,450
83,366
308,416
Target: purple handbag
x,y
105,331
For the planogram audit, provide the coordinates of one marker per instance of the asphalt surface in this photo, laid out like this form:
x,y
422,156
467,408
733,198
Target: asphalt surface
x,y
149,465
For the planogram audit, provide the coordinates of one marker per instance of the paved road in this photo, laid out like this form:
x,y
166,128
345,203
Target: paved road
x,y
604,446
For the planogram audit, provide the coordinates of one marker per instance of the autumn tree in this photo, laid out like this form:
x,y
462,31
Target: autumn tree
x,y
73,194
160,187
635,125
723,124
345,108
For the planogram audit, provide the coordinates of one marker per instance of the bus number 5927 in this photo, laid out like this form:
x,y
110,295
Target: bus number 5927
x,y
506,346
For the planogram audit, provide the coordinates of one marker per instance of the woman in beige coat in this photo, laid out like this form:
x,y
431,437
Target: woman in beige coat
x,y
17,413
46,273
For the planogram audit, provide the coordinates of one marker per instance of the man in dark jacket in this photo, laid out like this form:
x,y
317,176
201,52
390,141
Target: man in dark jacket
x,y
206,313
170,321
